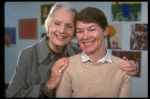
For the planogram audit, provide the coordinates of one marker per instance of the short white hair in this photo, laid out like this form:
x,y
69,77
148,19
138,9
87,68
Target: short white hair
x,y
54,8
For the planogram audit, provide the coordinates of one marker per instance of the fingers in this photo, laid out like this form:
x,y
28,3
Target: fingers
x,y
55,74
131,73
128,69
61,64
63,68
125,64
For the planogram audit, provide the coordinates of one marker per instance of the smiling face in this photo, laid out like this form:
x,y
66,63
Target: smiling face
x,y
61,28
90,36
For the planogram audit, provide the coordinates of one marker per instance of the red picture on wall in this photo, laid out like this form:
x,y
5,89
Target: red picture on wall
x,y
28,28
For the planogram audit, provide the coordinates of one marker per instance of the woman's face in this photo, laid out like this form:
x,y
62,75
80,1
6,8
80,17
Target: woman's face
x,y
61,27
90,36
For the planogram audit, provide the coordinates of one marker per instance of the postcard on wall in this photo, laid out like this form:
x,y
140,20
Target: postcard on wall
x,y
28,28
114,37
10,36
135,56
45,8
126,11
139,37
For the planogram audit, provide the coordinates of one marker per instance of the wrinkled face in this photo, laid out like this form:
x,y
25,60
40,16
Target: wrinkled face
x,y
90,36
61,27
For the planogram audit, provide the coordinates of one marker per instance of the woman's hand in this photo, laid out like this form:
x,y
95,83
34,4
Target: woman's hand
x,y
56,73
128,66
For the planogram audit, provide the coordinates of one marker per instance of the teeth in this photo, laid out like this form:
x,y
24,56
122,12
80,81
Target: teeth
x,y
61,37
87,43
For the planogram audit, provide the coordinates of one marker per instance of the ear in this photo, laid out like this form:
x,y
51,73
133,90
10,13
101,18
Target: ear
x,y
106,31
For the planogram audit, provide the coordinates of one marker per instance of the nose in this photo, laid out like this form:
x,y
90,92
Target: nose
x,y
62,29
86,34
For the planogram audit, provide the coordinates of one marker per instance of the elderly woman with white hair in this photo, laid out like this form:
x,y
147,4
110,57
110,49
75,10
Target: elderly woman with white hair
x,y
40,67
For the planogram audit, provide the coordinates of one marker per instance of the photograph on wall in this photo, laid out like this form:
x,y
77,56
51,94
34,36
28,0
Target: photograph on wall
x,y
114,37
28,28
139,37
45,8
126,11
135,56
10,36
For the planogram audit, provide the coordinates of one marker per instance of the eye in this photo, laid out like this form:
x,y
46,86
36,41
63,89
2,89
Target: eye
x,y
69,27
92,30
56,23
79,31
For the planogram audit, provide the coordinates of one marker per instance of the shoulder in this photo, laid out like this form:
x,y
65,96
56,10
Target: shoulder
x,y
30,49
73,61
116,59
75,58
116,64
35,47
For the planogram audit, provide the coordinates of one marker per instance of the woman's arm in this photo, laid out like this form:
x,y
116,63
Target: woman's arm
x,y
125,89
65,87
18,86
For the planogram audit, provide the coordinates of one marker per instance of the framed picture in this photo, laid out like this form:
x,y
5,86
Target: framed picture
x,y
45,8
139,37
135,56
114,37
28,28
126,11
10,36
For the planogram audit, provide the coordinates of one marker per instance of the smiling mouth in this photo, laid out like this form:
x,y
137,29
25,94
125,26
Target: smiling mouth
x,y
61,37
88,43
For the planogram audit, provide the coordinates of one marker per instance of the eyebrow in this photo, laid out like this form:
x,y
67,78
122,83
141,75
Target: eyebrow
x,y
92,26
89,27
79,28
57,21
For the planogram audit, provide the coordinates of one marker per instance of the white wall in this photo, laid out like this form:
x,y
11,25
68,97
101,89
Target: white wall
x,y
19,10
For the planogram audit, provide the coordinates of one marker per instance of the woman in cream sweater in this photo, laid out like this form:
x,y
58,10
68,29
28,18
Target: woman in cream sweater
x,y
94,72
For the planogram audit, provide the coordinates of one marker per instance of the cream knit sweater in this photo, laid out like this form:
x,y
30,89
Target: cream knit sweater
x,y
92,79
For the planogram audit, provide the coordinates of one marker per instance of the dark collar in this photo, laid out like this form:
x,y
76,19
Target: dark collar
x,y
43,50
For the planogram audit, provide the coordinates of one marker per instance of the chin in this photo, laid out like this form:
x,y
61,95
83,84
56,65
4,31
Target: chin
x,y
60,43
88,50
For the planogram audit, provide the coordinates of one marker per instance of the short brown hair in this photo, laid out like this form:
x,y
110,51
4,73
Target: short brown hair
x,y
90,15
